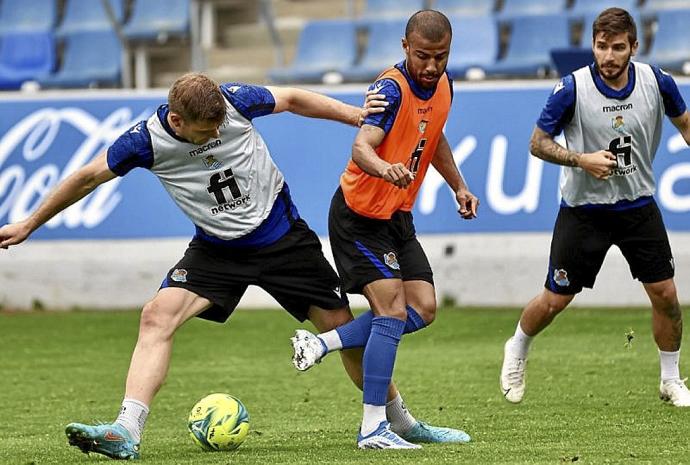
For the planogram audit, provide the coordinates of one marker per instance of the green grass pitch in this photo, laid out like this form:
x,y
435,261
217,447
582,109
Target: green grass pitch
x,y
590,399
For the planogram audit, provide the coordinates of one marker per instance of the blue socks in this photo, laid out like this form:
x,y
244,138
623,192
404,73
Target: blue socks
x,y
356,332
379,358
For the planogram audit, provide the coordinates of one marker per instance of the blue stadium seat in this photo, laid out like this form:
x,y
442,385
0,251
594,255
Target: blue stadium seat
x,y
514,8
91,58
671,46
25,56
323,46
589,7
384,49
465,7
89,15
38,15
651,6
588,22
475,44
158,19
380,9
531,41
567,60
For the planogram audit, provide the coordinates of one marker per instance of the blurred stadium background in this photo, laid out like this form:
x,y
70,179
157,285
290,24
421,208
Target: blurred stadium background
x,y
113,248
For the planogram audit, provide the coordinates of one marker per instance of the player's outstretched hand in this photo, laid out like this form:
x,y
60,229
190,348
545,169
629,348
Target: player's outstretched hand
x,y
599,164
468,204
374,103
398,175
12,234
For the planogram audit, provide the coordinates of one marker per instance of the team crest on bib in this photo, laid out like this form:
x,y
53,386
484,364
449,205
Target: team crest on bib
x,y
179,275
211,163
560,277
391,260
422,126
618,124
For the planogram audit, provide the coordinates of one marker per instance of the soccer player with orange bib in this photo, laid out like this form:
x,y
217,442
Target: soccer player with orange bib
x,y
372,233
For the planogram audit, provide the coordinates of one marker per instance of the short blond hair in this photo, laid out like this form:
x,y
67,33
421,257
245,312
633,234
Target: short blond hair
x,y
197,98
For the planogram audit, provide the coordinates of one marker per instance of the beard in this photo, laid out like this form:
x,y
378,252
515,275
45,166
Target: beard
x,y
616,74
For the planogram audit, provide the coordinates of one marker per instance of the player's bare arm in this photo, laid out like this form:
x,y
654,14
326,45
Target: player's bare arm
x,y
445,164
364,155
313,105
682,123
599,164
75,187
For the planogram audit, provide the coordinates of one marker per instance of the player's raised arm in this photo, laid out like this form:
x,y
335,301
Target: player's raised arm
x,y
76,186
445,164
311,104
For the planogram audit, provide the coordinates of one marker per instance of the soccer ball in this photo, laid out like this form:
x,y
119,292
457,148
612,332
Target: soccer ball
x,y
218,422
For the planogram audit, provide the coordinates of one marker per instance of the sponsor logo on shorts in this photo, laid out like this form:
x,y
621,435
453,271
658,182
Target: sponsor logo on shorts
x,y
391,260
179,275
560,277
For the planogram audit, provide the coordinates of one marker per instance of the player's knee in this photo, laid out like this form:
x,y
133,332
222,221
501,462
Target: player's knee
x,y
155,321
556,303
664,295
426,310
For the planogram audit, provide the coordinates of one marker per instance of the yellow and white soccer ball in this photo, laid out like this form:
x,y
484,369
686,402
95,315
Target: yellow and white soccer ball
x,y
218,422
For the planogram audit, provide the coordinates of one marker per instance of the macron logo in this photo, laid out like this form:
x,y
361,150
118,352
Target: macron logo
x,y
136,129
560,86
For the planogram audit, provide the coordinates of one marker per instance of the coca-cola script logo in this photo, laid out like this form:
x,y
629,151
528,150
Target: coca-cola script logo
x,y
27,175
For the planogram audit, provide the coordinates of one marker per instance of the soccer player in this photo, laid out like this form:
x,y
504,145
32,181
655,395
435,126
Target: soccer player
x,y
210,158
611,113
372,235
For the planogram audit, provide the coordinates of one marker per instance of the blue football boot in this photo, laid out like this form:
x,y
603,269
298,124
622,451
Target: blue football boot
x,y
423,432
111,440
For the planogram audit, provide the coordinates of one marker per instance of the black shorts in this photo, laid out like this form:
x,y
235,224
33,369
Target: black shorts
x,y
366,249
583,235
293,270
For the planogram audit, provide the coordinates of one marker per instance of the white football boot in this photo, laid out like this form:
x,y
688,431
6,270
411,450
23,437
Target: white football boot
x,y
675,391
383,438
308,350
512,375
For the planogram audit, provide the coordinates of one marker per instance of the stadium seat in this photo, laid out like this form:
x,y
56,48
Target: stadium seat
x,y
37,15
515,8
91,58
25,56
567,60
323,46
384,48
380,9
588,22
89,15
158,20
465,7
671,46
651,6
531,41
475,44
589,7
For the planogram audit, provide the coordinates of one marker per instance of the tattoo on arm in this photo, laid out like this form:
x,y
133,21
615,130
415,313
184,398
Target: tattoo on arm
x,y
544,147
